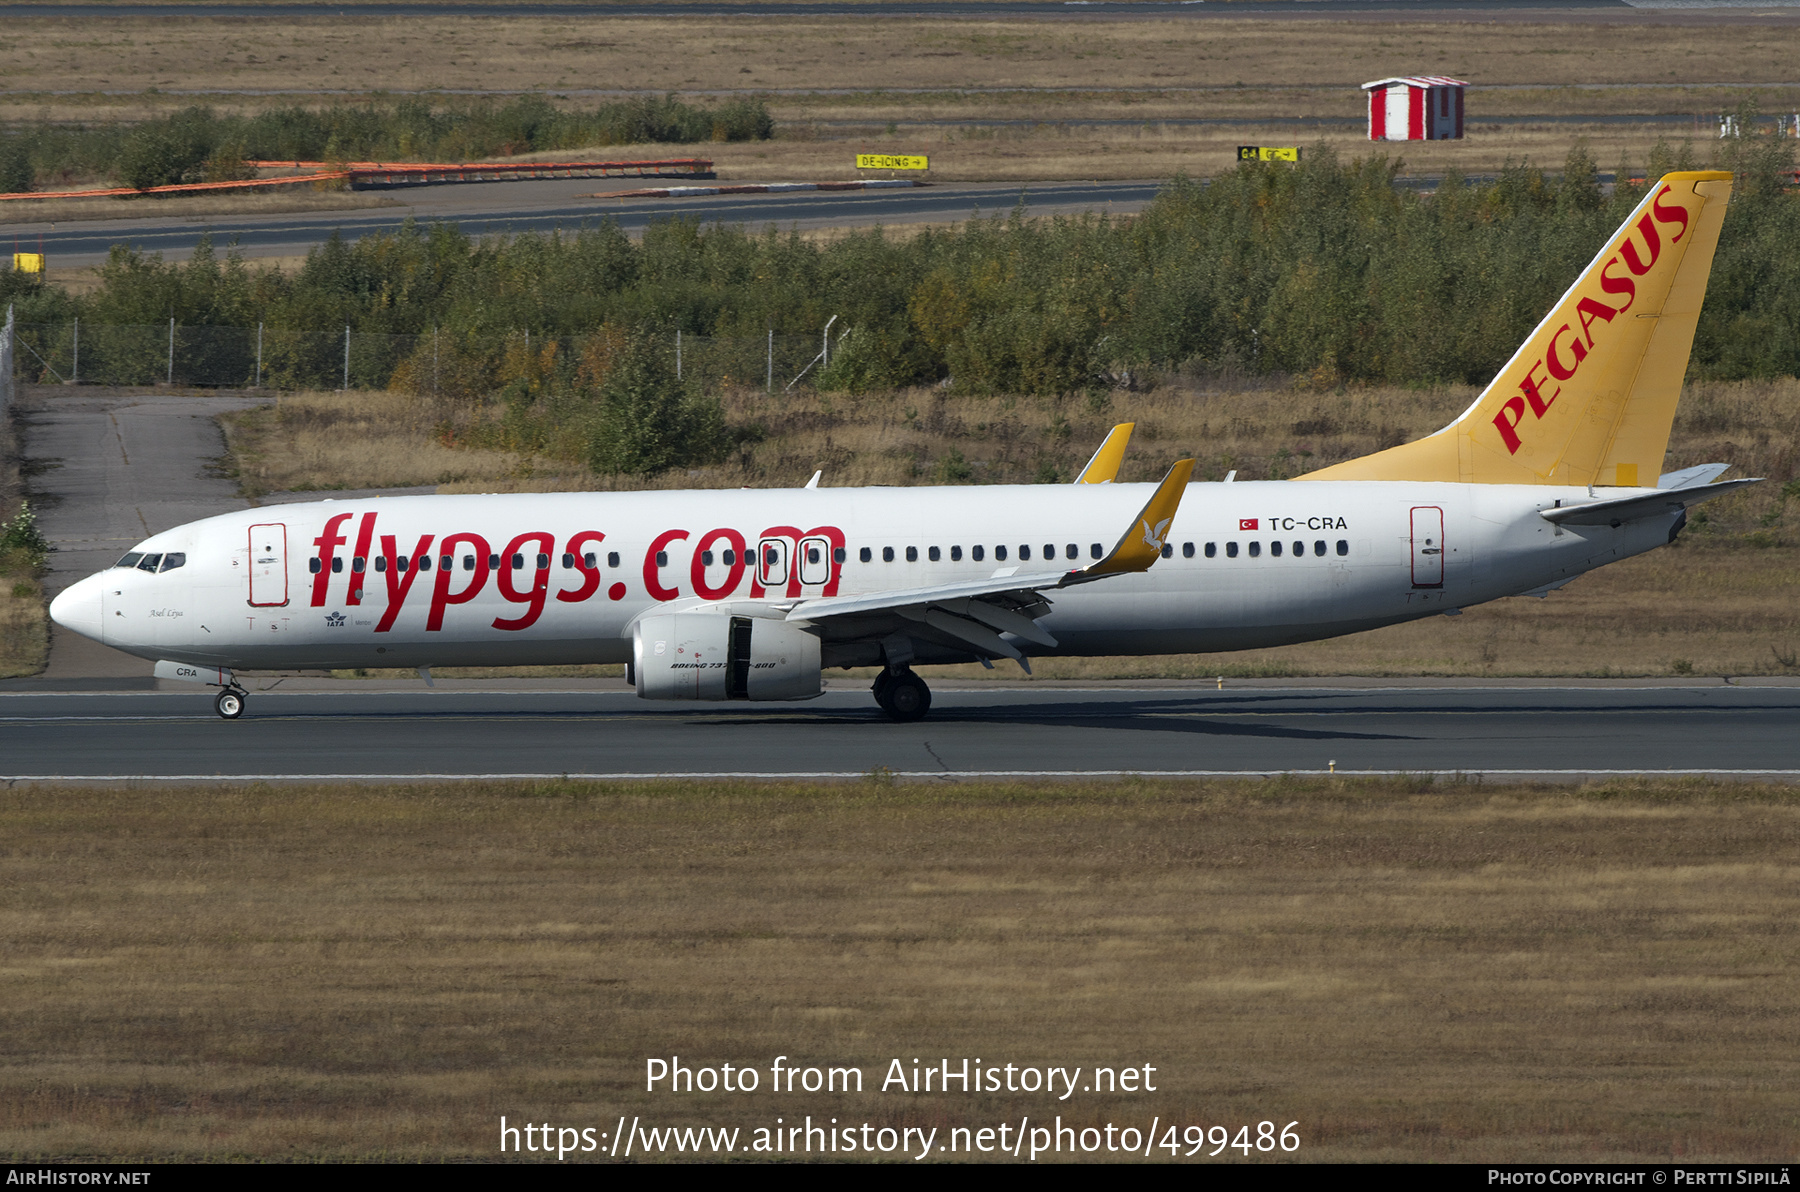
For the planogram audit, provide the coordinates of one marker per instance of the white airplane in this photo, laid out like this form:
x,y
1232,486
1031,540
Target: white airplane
x,y
723,595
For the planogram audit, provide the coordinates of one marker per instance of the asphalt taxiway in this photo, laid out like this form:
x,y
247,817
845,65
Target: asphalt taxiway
x,y
481,209
1499,732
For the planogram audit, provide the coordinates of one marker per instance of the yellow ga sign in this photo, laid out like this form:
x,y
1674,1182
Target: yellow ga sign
x,y
1268,153
888,161
28,262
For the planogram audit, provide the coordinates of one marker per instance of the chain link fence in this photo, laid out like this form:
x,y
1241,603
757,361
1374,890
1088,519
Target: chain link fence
x,y
340,358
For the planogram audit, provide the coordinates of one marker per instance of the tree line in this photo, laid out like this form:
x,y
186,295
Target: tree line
x,y
198,144
1325,269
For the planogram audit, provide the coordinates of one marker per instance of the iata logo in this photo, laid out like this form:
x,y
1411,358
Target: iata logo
x,y
334,620
1569,347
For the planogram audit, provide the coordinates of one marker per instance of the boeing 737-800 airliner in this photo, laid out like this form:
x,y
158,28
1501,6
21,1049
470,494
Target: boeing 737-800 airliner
x,y
1553,471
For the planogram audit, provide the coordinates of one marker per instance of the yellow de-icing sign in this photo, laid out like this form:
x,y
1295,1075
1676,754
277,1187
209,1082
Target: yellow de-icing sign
x,y
889,161
28,262
1268,153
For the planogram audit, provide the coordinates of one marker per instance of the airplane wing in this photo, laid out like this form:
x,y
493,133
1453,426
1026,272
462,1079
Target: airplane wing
x,y
974,613
1619,510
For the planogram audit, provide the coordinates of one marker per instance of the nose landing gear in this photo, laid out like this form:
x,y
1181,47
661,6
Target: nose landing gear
x,y
229,703
902,694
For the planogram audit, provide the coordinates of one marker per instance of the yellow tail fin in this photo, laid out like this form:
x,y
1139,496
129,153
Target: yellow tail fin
x,y
1590,396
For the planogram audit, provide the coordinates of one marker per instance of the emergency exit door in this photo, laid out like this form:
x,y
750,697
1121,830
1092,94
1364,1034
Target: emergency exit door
x,y
268,565
1427,547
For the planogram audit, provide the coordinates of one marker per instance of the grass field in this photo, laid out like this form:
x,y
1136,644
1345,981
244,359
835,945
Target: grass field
x,y
1407,971
1027,90
24,625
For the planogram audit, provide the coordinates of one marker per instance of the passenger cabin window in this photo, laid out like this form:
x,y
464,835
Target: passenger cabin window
x,y
518,562
912,554
706,558
662,558
933,554
1187,550
359,565
1212,550
1024,553
1299,550
1168,551
866,555
1072,551
956,554
999,554
313,566
568,561
131,560
1319,548
1255,549
380,563
1095,550
446,562
813,555
424,562
337,566
469,563
839,554
1049,551
1274,549
1231,550
589,559
612,558
887,554
1343,546
493,562
173,560
543,562
975,552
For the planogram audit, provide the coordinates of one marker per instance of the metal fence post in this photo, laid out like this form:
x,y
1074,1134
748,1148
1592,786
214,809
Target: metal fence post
x,y
171,349
346,357
434,362
678,353
75,367
6,361
259,329
769,384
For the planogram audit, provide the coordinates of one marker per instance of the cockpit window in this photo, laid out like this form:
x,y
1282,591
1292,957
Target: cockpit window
x,y
172,560
130,560
149,562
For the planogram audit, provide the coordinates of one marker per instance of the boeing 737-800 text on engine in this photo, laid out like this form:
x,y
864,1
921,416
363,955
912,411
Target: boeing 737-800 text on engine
x,y
1553,471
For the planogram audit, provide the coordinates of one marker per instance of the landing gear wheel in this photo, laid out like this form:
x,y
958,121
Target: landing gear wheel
x,y
229,704
908,698
884,683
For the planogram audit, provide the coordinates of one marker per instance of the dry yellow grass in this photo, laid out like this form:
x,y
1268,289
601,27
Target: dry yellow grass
x,y
24,626
860,53
350,440
1409,973
900,70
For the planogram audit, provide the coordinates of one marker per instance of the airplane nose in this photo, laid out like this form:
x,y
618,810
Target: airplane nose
x,y
79,608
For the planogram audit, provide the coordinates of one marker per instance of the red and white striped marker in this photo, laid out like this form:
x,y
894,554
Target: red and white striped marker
x,y
753,188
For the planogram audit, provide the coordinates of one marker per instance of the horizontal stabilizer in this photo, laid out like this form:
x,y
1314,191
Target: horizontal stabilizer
x,y
1620,510
1692,477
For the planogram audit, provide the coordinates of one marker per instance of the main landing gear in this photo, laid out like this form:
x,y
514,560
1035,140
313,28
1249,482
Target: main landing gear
x,y
902,694
229,703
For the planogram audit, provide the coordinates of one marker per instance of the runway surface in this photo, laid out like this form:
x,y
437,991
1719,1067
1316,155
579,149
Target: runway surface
x,y
512,207
1499,732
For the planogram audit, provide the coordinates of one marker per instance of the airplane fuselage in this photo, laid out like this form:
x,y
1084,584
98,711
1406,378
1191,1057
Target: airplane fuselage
x,y
560,578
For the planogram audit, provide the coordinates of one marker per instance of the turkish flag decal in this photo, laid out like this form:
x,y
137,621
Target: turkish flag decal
x,y
1246,523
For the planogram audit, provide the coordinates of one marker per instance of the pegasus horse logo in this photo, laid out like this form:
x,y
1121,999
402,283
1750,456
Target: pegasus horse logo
x,y
1154,538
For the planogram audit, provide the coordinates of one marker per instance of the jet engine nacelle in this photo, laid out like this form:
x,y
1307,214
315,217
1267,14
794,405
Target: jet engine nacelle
x,y
711,656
